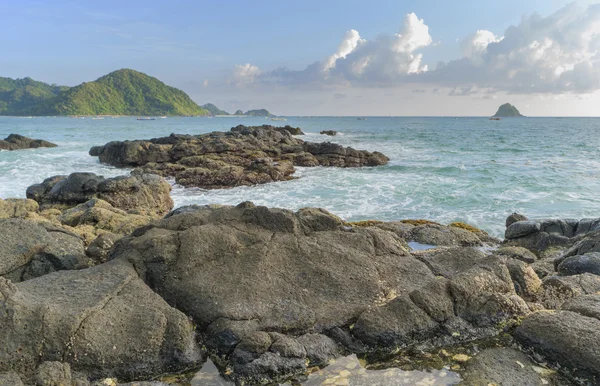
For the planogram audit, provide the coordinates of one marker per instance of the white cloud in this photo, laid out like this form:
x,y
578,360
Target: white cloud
x,y
245,73
349,43
357,60
474,45
559,53
205,83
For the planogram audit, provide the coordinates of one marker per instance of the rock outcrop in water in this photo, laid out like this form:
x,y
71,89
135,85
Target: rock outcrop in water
x,y
507,110
242,156
19,142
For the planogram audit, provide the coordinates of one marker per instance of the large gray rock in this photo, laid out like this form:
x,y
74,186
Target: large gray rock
x,y
103,321
575,265
19,142
239,263
522,228
31,250
242,156
144,194
566,338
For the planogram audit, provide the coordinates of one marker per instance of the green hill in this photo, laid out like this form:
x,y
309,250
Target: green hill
x,y
214,110
21,96
122,92
507,110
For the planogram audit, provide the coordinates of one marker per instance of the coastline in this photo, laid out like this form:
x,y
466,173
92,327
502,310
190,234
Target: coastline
x,y
347,285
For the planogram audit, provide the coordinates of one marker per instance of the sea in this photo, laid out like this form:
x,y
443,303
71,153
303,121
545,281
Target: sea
x,y
445,169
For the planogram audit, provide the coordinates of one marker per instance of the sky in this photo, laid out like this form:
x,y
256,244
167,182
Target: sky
x,y
350,57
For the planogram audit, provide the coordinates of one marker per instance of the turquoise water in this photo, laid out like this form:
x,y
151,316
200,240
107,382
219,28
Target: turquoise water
x,y
442,169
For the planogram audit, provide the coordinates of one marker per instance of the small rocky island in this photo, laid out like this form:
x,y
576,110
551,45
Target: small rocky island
x,y
506,111
243,156
19,142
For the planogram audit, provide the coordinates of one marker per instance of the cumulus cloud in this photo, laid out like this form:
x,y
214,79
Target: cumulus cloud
x,y
349,43
559,53
245,73
554,54
356,60
475,45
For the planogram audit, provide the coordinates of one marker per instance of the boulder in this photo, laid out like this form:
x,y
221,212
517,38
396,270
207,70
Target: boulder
x,y
566,338
575,265
236,262
19,142
31,250
102,321
143,194
515,217
522,228
242,156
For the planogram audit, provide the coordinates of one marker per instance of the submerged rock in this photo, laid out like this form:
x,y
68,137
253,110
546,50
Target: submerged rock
x,y
242,156
103,321
144,194
19,142
328,132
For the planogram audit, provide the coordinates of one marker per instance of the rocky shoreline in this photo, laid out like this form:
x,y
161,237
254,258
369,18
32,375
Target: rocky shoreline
x,y
103,282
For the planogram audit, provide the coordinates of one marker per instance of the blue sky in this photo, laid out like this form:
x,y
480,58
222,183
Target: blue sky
x,y
195,45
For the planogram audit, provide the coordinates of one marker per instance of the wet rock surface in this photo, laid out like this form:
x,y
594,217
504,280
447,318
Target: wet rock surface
x,y
19,142
242,156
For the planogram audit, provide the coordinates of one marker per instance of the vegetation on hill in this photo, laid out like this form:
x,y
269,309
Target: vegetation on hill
x,y
21,96
122,92
507,110
214,110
